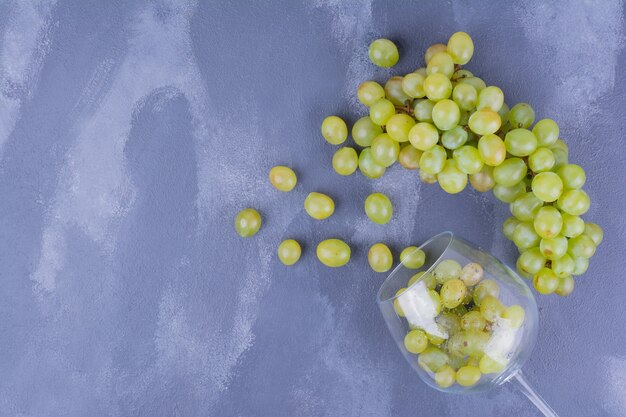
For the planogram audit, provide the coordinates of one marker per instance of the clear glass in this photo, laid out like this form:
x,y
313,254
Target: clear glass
x,y
416,308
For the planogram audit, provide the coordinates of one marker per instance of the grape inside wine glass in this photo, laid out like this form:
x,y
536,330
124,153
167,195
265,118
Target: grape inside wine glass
x,y
463,320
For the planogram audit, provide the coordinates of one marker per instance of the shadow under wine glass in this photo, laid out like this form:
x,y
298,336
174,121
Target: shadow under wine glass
x,y
461,347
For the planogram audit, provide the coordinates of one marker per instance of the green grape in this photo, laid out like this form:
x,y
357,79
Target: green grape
x,y
345,161
416,341
445,377
433,160
560,144
383,53
380,257
531,261
547,186
504,114
491,98
368,166
553,248
488,365
435,340
473,321
509,194
465,96
508,227
423,109
334,130
385,150
427,178
399,125
283,178
378,208
381,111
446,270
573,176
446,114
369,92
467,376
460,47
572,225
451,179
333,252
525,236
548,222
525,207
440,63
423,136
428,279
413,85
319,206
492,150
546,131
461,73
514,316
574,202
521,115
247,222
432,50
483,180
560,157
396,303
541,160
449,322
486,287
581,246
491,308
394,91
421,71
545,281
475,82
409,157
520,142
289,252
468,159
454,138
452,293
580,265
467,342
563,266
364,131
437,87
433,359
595,232
510,172
565,287
412,257
484,122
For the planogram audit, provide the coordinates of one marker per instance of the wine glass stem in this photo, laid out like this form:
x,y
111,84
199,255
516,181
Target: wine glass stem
x,y
532,395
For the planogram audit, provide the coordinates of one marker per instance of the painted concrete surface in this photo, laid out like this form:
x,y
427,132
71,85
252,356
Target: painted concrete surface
x,y
132,132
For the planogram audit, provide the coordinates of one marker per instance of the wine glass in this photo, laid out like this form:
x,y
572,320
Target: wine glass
x,y
463,320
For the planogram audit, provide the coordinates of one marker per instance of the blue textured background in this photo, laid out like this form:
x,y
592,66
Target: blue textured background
x,y
130,135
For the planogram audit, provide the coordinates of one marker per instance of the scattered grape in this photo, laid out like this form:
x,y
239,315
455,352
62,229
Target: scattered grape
x,y
247,222
369,92
460,47
289,252
345,161
334,130
283,178
319,206
378,208
412,257
380,258
333,253
368,166
383,53
364,131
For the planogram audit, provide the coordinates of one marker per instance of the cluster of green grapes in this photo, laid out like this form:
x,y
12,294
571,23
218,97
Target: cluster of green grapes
x,y
452,316
453,127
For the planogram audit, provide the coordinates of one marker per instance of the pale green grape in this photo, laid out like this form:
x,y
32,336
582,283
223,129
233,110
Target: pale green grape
x,y
460,47
461,73
553,248
416,341
446,270
471,274
473,321
445,377
319,206
381,111
475,82
514,316
488,365
565,287
467,342
383,53
510,172
437,87
446,114
574,202
433,160
364,131
413,85
563,266
547,186
412,257
573,176
428,279
454,138
433,359
394,91
483,181
572,225
283,178
380,257
541,160
546,131
484,122
531,261
525,237
378,208
491,98
345,161
580,265
468,159
440,63
560,157
334,130
525,207
368,166
247,222
432,50
504,114
545,281
451,179
398,127
465,96
520,142
452,293
467,376
409,157
427,178
423,109
369,92
508,227
509,194
492,150
491,308
333,252
486,287
548,222
423,136
385,150
521,115
595,232
581,246
289,252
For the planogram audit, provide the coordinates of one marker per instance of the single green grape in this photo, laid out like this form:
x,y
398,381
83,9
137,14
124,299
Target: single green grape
x,y
473,320
413,85
520,142
289,252
572,175
467,376
560,157
580,265
451,179
423,109
333,252
531,261
440,63
468,159
445,377
574,202
461,73
369,92
381,111
465,96
553,248
385,150
546,131
484,122
398,127
563,266
525,237
380,257
364,131
378,208
545,281
460,47
483,180
491,98
452,293
521,116
446,270
475,82
565,287
492,150
510,172
581,246
409,157
491,308
412,257
383,53
525,207
319,206
416,341
432,50
446,114
572,225
485,288
433,160
547,186
548,222
508,227
283,178
334,130
471,274
541,160
488,365
423,136
395,93
437,87
595,232
454,138
368,166
247,222
509,194
433,359
345,161
449,322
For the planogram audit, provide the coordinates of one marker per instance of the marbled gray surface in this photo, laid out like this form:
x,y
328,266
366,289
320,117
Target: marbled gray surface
x,y
132,132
